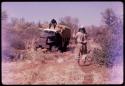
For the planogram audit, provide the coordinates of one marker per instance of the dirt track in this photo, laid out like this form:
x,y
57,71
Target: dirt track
x,y
63,70
57,69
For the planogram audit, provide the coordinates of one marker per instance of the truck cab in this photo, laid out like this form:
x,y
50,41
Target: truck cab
x,y
58,37
48,39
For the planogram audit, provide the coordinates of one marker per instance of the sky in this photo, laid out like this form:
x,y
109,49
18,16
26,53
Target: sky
x,y
88,13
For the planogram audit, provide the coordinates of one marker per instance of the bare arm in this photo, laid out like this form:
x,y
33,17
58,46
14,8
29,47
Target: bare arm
x,y
75,38
85,38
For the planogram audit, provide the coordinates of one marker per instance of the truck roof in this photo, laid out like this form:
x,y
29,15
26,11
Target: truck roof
x,y
59,28
54,30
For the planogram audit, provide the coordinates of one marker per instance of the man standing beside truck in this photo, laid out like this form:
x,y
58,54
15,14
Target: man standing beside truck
x,y
81,40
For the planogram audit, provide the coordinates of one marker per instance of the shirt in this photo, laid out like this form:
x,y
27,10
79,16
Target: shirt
x,y
80,37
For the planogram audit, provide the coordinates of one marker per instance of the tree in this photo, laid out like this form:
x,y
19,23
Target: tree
x,y
4,15
111,39
72,23
4,19
111,20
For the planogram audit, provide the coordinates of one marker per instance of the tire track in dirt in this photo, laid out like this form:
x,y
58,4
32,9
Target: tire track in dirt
x,y
60,68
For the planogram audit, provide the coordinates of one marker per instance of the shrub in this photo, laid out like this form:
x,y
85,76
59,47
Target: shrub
x,y
18,35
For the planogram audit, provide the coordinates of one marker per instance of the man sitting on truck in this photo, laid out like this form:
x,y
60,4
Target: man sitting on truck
x,y
53,23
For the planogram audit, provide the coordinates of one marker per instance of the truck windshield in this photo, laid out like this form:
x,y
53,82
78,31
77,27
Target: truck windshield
x,y
50,33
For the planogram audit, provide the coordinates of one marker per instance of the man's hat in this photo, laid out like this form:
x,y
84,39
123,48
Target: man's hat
x,y
82,29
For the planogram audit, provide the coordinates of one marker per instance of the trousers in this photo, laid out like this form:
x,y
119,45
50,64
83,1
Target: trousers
x,y
80,50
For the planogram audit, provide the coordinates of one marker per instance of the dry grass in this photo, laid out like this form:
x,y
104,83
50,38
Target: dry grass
x,y
50,72
52,68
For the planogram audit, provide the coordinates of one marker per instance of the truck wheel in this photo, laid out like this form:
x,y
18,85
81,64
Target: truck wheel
x,y
65,46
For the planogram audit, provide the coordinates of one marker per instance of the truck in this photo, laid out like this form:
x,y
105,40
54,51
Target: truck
x,y
57,38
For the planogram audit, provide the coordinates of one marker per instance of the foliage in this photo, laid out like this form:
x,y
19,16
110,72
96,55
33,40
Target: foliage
x,y
21,35
72,23
110,38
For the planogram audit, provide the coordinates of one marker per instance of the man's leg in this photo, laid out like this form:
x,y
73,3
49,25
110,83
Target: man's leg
x,y
86,48
77,51
50,26
54,26
84,53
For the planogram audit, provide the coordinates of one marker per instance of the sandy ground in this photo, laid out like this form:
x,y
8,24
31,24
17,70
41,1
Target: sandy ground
x,y
63,70
58,68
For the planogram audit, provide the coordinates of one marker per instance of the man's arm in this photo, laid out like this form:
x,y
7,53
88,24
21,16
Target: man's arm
x,y
85,38
76,38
